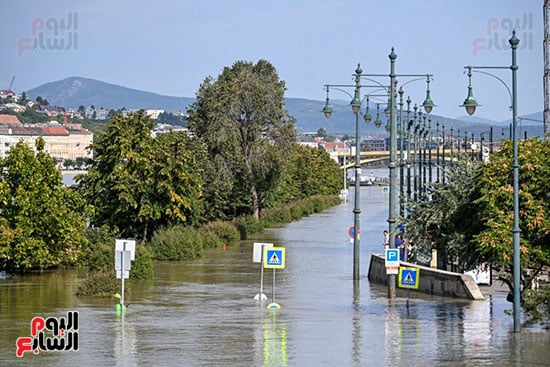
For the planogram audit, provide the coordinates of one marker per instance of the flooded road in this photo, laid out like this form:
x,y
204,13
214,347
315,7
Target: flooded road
x,y
202,312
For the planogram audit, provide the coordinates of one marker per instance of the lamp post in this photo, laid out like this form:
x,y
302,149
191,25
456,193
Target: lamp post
x,y
470,104
466,144
437,162
416,150
409,125
401,158
356,108
452,146
430,144
420,153
424,184
443,153
428,105
473,143
458,142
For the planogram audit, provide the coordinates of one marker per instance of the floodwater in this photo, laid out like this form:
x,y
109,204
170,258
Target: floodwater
x,y
203,312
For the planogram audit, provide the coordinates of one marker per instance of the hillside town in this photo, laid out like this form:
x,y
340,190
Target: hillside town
x,y
67,142
63,141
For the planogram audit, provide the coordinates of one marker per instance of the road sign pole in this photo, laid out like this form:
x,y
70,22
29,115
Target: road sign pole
x,y
122,276
273,288
261,278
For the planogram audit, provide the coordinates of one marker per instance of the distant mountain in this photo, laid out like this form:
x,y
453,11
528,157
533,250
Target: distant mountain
x,y
75,91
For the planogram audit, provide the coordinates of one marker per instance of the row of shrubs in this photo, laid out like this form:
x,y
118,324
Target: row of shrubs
x,y
180,242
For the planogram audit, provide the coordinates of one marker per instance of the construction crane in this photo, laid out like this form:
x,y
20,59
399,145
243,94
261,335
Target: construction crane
x,y
11,83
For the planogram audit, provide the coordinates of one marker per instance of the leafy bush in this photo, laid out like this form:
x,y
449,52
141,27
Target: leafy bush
x,y
99,252
143,265
99,284
276,215
209,239
294,211
176,243
248,225
226,232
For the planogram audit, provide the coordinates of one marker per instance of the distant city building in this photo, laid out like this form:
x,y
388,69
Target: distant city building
x,y
374,144
308,140
154,114
165,128
63,141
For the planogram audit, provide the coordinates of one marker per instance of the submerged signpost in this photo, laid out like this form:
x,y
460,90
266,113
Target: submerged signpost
x,y
257,257
409,278
274,258
125,252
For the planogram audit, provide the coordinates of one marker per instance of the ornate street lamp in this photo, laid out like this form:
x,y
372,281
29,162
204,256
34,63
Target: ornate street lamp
x,y
356,108
392,220
470,104
437,161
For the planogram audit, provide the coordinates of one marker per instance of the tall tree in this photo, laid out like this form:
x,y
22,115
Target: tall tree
x,y
309,171
241,118
138,183
496,209
41,221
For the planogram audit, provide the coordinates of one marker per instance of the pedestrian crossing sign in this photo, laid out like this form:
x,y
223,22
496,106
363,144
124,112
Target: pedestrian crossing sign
x,y
408,277
274,257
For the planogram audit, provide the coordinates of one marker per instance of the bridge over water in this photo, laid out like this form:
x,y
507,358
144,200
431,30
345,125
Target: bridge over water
x,y
378,158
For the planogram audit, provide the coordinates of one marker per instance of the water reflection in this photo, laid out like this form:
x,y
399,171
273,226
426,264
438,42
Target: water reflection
x,y
274,340
125,345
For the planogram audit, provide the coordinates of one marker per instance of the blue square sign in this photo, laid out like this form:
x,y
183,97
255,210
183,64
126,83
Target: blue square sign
x,y
409,278
274,257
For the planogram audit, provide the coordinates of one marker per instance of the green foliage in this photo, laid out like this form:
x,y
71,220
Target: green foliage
x,y
296,210
241,119
446,222
536,303
41,222
98,254
471,218
138,183
222,232
100,284
495,240
308,172
99,259
496,204
177,242
32,116
143,264
248,225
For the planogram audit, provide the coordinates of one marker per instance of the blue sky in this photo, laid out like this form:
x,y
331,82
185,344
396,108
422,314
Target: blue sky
x,y
169,47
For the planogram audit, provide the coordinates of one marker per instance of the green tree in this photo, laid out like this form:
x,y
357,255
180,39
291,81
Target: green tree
x,y
309,171
446,221
24,98
470,218
138,183
41,221
495,205
241,118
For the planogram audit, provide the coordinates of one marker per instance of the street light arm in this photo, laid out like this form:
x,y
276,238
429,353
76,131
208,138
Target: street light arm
x,y
476,69
335,87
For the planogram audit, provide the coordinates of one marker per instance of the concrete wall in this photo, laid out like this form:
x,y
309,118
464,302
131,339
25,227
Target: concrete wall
x,y
431,281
